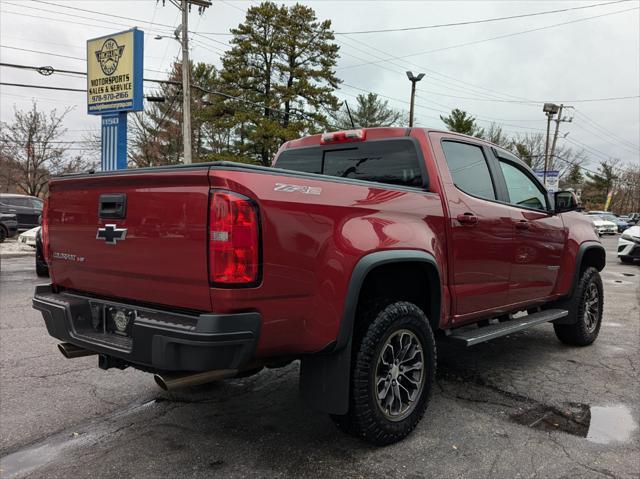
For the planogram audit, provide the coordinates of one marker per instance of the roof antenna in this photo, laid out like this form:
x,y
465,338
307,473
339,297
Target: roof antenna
x,y
350,117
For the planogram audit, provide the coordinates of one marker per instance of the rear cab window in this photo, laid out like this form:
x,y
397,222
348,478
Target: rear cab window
x,y
392,162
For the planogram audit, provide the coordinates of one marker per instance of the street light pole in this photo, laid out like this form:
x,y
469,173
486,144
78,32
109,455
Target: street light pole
x,y
413,79
186,88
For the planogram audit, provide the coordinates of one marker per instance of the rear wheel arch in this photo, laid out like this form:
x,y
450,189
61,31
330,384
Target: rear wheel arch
x,y
399,275
324,378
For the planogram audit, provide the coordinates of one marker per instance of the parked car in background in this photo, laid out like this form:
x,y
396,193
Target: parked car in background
x,y
633,218
602,226
620,223
26,208
629,245
8,226
29,237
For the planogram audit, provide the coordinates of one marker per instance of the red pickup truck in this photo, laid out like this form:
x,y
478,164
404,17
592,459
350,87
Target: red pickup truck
x,y
349,255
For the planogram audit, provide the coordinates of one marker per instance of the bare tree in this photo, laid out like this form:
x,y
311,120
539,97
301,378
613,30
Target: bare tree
x,y
530,148
31,146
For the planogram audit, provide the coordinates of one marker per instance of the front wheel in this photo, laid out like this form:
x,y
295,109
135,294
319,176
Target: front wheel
x,y
392,374
586,308
626,259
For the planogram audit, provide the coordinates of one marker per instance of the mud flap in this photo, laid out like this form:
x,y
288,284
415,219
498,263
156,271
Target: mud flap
x,y
324,381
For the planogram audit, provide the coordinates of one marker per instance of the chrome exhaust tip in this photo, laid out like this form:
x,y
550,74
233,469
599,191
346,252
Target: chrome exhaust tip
x,y
71,351
171,382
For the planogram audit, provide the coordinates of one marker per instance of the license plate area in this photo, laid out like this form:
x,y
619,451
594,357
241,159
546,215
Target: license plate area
x,y
107,323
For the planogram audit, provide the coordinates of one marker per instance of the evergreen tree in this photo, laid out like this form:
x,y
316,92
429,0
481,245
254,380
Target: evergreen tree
x,y
282,58
461,122
156,133
600,183
370,111
573,178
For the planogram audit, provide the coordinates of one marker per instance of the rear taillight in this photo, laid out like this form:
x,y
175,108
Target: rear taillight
x,y
44,230
233,239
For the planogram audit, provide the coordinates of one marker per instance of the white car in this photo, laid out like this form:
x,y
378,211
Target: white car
x,y
602,226
29,237
629,245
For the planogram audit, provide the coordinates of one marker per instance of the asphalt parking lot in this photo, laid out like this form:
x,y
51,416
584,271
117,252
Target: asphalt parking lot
x,y
520,406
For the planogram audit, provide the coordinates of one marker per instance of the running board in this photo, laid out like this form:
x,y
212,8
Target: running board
x,y
473,336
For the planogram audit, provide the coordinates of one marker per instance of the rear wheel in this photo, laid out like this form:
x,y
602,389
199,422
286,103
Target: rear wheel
x,y
3,234
586,306
392,374
42,269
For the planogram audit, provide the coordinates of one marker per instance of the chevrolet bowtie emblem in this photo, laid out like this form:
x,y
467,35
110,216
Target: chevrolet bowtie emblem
x,y
111,234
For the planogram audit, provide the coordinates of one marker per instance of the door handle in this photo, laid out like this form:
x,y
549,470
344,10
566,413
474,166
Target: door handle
x,y
468,219
522,225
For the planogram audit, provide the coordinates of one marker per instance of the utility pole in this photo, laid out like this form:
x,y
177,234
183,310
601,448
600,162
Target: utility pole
x,y
185,6
186,86
413,79
559,119
550,109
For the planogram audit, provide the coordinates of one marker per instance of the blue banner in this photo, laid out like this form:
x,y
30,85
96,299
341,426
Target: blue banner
x,y
114,142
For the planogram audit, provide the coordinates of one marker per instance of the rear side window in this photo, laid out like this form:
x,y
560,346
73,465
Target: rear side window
x,y
469,169
394,162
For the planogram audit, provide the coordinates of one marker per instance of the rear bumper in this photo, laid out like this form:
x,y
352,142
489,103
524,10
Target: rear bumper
x,y
159,340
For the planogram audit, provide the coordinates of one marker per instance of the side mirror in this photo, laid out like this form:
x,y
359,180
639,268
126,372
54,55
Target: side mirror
x,y
565,201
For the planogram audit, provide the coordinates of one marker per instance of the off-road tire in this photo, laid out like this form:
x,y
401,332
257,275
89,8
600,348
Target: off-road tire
x,y
578,333
626,259
365,418
42,270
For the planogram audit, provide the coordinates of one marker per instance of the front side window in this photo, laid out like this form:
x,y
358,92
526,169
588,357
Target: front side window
x,y
523,191
469,169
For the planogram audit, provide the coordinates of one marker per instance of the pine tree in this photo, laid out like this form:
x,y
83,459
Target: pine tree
x,y
283,59
156,133
461,122
369,111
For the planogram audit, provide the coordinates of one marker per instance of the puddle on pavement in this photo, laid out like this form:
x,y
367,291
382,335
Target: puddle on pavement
x,y
573,421
611,424
601,425
628,274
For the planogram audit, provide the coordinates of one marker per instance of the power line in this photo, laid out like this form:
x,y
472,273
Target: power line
x,y
293,111
606,131
475,42
43,87
148,32
62,56
474,22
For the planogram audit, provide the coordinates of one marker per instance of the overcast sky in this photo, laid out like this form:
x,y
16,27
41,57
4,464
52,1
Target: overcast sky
x,y
495,80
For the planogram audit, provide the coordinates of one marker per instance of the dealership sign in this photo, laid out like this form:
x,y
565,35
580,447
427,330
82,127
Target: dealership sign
x,y
552,179
114,88
114,73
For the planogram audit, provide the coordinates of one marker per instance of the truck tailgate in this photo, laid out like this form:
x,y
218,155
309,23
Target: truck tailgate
x,y
162,257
